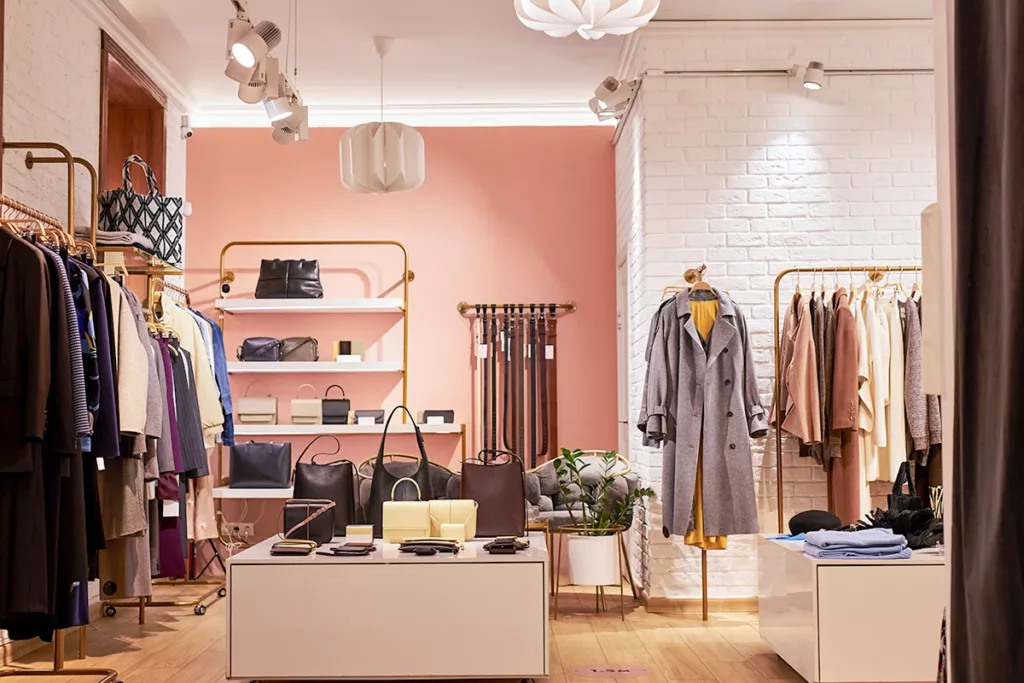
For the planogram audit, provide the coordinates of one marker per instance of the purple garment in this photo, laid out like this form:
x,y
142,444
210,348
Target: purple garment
x,y
165,354
106,431
172,551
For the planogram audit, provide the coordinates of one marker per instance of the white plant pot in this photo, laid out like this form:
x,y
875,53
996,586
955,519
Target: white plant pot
x,y
594,560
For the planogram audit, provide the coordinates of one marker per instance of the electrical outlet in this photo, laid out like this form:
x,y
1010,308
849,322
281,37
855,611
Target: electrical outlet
x,y
242,529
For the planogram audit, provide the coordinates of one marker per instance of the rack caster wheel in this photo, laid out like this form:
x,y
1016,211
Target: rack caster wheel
x,y
110,610
200,610
222,592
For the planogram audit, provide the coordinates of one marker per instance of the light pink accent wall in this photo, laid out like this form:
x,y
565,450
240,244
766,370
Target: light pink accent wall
x,y
506,214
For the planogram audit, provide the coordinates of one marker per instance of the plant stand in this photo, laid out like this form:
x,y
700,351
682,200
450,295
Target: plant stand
x,y
598,590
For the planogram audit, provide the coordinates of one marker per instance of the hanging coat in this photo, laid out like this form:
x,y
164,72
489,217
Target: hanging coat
x,y
694,394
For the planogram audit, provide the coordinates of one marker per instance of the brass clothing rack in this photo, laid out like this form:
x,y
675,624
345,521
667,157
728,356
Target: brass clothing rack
x,y
470,310
59,635
875,274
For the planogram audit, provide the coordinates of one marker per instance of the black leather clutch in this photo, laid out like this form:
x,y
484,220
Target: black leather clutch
x,y
289,279
260,350
309,520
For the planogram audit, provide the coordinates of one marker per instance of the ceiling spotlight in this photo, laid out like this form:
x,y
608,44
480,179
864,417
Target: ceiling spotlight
x,y
285,136
256,43
612,98
252,92
298,114
278,108
238,73
814,75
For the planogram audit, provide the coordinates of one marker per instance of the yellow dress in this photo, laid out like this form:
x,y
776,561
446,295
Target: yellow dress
x,y
703,314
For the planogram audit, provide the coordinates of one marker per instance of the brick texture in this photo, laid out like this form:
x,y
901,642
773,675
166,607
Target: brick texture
x,y
752,175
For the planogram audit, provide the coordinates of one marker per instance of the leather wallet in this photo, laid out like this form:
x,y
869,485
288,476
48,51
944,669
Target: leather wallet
x,y
447,416
429,546
292,547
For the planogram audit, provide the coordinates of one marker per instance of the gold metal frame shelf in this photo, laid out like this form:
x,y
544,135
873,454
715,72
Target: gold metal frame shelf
x,y
875,274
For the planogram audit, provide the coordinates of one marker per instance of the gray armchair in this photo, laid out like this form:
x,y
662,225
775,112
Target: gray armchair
x,y
542,488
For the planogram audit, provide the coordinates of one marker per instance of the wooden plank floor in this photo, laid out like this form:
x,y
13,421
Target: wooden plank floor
x,y
175,645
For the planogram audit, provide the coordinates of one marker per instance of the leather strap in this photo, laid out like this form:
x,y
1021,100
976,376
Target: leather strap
x,y
249,387
338,387
299,391
313,459
419,493
496,452
419,439
324,507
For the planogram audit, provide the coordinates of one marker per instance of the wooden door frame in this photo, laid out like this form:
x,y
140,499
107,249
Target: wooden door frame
x,y
109,48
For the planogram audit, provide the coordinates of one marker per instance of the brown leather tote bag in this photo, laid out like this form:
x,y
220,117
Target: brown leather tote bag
x,y
499,490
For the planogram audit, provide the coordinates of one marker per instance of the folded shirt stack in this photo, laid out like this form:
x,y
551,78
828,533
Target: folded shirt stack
x,y
867,544
122,238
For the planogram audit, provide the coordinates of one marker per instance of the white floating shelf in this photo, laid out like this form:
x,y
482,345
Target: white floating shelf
x,y
341,430
309,368
228,493
309,305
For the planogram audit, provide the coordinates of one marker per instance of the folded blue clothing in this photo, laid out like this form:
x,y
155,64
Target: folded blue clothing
x,y
866,538
892,553
787,537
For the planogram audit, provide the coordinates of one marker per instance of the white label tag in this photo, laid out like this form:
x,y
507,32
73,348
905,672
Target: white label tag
x,y
101,464
503,340
435,420
529,352
171,508
481,350
549,352
364,420
151,490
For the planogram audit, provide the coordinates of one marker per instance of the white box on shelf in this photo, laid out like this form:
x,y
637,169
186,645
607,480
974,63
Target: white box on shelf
x,y
350,358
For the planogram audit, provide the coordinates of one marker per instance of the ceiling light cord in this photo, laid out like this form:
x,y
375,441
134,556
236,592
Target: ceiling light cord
x,y
382,88
288,46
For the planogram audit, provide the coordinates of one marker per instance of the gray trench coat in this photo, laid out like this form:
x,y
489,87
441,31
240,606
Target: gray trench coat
x,y
693,393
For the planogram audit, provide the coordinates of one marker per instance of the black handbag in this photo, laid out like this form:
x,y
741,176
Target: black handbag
x,y
309,520
899,501
260,350
289,279
383,481
336,409
260,465
500,493
331,481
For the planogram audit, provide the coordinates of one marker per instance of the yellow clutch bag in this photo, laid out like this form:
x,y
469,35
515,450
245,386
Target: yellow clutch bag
x,y
402,519
444,513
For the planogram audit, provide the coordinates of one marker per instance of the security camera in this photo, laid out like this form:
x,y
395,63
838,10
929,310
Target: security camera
x,y
186,130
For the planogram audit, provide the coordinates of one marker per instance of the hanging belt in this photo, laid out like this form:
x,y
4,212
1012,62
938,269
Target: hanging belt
x,y
520,382
533,387
509,406
493,353
482,320
542,385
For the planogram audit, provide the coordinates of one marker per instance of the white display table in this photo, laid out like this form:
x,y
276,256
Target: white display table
x,y
851,621
389,615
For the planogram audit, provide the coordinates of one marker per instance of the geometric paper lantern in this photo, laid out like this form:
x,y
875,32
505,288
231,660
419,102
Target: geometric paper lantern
x,y
591,19
382,157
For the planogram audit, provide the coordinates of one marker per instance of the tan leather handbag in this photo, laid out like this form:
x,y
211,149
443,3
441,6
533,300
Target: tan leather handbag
x,y
307,411
256,410
300,350
446,515
402,519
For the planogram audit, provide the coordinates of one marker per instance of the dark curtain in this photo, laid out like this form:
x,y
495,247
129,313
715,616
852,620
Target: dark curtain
x,y
987,608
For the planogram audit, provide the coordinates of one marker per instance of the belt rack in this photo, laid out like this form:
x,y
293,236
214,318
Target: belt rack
x,y
875,274
27,212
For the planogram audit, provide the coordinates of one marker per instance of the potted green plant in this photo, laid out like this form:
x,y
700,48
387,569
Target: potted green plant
x,y
599,511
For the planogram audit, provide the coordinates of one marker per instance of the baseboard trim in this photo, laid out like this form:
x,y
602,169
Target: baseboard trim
x,y
693,605
13,650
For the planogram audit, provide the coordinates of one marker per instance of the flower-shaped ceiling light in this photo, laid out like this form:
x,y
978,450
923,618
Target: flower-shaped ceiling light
x,y
592,19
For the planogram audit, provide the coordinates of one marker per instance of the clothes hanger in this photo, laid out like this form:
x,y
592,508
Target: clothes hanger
x,y
695,276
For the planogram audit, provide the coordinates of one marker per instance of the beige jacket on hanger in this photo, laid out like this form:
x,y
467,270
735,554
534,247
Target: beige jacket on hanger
x,y
802,417
865,409
896,452
211,414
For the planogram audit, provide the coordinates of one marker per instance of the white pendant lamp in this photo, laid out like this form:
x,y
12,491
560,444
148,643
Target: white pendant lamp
x,y
591,19
382,156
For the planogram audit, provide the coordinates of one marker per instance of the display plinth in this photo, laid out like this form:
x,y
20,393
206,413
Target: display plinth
x,y
851,621
389,615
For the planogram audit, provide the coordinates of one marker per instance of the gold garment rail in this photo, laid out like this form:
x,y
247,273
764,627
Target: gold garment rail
x,y
469,310
227,277
94,197
874,274
67,159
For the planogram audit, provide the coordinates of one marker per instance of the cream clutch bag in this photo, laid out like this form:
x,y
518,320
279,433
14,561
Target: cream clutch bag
x,y
255,410
402,519
307,411
447,512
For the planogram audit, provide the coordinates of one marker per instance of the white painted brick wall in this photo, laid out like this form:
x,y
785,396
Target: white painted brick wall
x,y
51,92
755,174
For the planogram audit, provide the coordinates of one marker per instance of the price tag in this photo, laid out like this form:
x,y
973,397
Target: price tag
x,y
171,508
101,464
549,352
481,350
435,420
364,420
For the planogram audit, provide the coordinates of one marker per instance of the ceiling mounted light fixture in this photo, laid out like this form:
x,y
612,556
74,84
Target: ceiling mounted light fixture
x,y
253,91
251,48
814,76
611,98
591,19
382,156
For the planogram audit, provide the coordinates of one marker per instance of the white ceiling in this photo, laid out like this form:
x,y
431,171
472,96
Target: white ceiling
x,y
447,54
